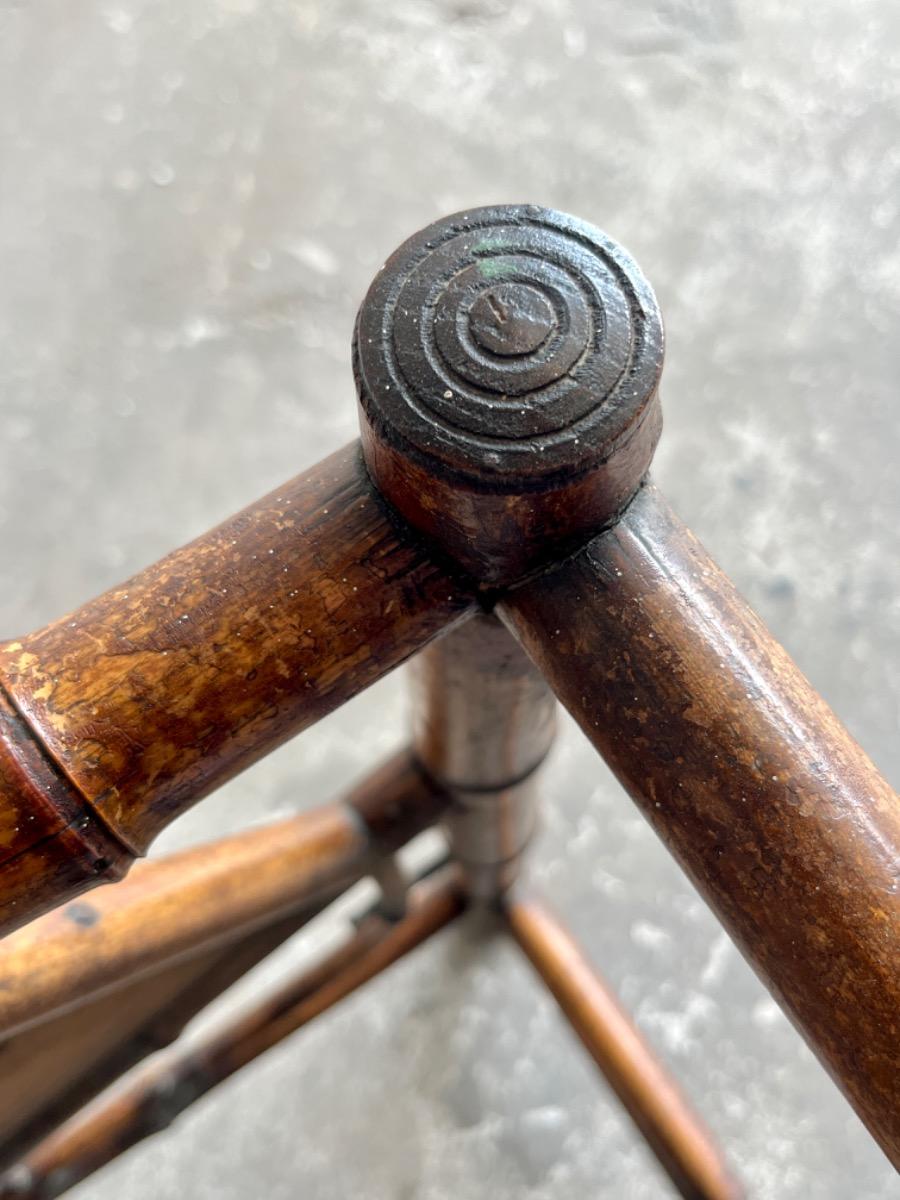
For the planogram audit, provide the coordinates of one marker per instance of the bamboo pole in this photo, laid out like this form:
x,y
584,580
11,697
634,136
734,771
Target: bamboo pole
x,y
684,1147
780,819
177,906
156,1094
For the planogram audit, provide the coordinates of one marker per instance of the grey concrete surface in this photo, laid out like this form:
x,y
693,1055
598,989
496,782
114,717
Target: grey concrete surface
x,y
193,196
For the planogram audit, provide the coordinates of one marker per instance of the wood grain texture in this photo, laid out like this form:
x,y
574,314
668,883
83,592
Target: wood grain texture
x,y
160,1091
653,1100
173,908
53,1069
483,723
51,843
780,819
178,906
155,693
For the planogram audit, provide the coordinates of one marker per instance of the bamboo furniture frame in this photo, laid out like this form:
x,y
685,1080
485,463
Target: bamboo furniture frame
x,y
496,525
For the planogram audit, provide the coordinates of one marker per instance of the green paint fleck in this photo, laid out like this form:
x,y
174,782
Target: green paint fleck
x,y
496,268
488,243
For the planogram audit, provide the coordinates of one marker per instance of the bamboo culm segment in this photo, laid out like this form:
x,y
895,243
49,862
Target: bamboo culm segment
x,y
123,714
148,1101
54,1069
483,722
676,1136
179,906
172,908
780,819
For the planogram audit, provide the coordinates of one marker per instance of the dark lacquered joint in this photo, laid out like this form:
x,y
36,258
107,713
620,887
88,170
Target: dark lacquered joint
x,y
507,362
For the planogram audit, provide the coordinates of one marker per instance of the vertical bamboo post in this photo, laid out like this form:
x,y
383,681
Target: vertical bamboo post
x,y
483,722
507,362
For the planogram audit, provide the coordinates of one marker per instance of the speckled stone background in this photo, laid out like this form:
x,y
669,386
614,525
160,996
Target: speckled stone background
x,y
193,197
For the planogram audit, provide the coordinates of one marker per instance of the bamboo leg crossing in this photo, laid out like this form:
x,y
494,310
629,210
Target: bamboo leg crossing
x,y
495,523
151,1099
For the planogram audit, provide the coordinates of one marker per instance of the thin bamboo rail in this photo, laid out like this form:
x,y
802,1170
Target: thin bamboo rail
x,y
150,1100
652,1099
175,907
507,362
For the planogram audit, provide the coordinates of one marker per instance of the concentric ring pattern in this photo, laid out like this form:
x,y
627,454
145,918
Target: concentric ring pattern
x,y
503,333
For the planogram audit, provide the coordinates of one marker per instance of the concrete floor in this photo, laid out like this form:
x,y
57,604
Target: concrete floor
x,y
193,197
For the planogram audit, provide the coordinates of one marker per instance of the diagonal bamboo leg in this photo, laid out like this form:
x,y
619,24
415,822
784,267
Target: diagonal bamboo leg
x,y
53,1069
121,716
783,824
653,1100
175,907
92,989
150,1100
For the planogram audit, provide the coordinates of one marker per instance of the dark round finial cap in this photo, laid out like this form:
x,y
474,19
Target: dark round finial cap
x,y
507,361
